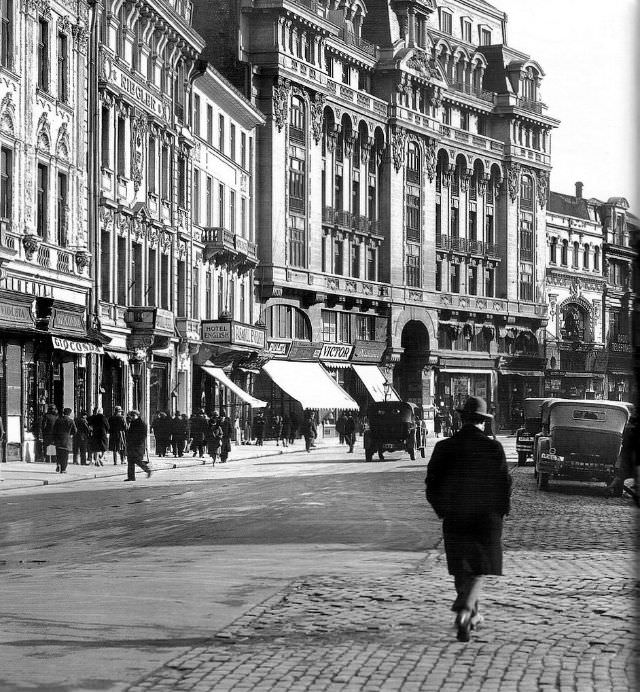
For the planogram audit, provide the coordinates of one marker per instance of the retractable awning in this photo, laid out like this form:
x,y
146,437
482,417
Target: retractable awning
x,y
218,374
372,378
309,384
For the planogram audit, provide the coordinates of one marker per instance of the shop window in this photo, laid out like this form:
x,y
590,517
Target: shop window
x,y
287,322
365,327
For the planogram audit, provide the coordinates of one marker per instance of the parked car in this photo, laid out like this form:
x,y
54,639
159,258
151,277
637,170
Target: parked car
x,y
581,441
525,436
394,426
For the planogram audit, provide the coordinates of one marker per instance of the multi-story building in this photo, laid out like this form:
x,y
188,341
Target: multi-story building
x,y
618,228
223,312
146,58
45,334
402,185
576,358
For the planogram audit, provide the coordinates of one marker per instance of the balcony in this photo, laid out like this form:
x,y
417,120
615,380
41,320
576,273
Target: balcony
x,y
473,91
533,106
151,327
229,249
352,40
471,247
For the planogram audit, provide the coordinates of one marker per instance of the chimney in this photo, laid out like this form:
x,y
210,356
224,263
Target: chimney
x,y
579,187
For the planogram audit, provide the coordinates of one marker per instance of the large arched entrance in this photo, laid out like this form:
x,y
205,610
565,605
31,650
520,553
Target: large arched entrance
x,y
408,376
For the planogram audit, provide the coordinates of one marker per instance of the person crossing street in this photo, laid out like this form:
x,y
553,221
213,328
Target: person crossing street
x,y
136,446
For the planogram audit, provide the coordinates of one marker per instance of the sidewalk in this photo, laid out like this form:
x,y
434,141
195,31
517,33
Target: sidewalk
x,y
19,474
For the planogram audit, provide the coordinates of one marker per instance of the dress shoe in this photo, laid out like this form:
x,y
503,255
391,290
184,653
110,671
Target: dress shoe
x,y
129,479
149,473
463,623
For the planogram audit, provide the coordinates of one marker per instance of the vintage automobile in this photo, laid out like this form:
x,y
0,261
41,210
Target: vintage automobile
x,y
394,426
525,436
581,441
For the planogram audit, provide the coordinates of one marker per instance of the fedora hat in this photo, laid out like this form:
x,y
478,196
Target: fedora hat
x,y
474,407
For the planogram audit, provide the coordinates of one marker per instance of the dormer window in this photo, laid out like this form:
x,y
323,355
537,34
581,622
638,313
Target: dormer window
x,y
446,22
421,31
529,90
466,29
485,36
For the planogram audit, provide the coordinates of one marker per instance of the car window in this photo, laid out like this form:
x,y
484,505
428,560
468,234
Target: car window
x,y
589,414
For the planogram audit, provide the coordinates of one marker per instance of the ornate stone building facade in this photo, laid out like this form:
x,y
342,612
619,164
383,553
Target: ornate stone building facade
x,y
402,185
45,334
146,60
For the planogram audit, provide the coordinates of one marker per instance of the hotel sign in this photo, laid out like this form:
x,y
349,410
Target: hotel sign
x,y
234,333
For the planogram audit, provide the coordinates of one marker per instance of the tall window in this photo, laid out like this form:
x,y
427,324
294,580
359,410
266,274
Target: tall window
x,y
6,33
122,30
105,138
297,181
454,278
355,260
105,266
243,149
526,239
413,164
438,275
179,91
297,241
221,133
596,258
182,182
181,288
298,123
151,60
122,272
165,171
152,283
137,273
209,211
6,182
196,196
413,216
243,217
576,253
63,68
526,192
445,22
585,257
195,293
63,202
564,253
413,265
43,55
136,52
338,257
232,211
121,135
372,264
232,142
164,281
553,251
221,201
209,124
485,37
196,114
526,281
455,228
466,30
42,200
490,286
473,281
151,165
208,294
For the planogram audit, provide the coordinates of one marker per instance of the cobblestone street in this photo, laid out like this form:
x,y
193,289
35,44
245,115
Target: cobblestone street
x,y
560,618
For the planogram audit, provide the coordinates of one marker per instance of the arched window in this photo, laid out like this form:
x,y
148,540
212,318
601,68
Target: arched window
x,y
585,257
564,253
287,322
297,129
413,163
553,251
574,321
576,252
596,258
526,192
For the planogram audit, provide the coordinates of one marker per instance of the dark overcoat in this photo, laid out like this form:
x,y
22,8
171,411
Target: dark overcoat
x,y
117,438
63,431
469,487
136,438
99,441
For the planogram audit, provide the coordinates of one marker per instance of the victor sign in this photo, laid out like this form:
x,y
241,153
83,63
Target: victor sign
x,y
336,352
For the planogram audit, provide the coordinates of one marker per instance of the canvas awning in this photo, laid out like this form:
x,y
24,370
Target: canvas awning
x,y
372,378
310,384
218,374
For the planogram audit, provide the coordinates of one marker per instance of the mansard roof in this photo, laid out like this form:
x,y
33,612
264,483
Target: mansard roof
x,y
568,205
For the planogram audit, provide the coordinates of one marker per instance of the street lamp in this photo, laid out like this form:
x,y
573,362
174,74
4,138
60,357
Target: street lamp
x,y
387,388
136,364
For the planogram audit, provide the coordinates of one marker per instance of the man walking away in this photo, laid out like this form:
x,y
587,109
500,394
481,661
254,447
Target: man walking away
x,y
309,430
63,431
258,428
178,434
48,443
81,439
117,435
468,485
136,446
349,431
225,442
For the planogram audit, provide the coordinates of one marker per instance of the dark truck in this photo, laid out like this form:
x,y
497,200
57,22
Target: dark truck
x,y
394,426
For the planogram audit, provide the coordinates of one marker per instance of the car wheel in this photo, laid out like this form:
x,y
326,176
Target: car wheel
x,y
543,481
522,458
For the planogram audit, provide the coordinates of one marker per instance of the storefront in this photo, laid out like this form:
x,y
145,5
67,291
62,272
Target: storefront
x,y
620,377
456,381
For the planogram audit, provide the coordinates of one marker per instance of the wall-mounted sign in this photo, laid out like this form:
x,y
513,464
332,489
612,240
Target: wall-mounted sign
x,y
15,314
235,333
305,350
368,351
336,351
67,321
78,347
278,349
140,94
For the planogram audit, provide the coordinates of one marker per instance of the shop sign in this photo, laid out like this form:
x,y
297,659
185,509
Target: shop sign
x,y
278,349
142,96
234,333
621,344
368,351
77,347
67,321
164,321
305,350
336,352
16,314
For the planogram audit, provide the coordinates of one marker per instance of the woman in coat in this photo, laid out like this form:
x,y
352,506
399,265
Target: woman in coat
x,y
117,437
99,441
214,438
81,439
469,486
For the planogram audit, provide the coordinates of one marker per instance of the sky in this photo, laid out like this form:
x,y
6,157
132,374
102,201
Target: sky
x,y
588,52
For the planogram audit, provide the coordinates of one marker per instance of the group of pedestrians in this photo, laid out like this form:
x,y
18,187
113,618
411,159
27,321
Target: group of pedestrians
x,y
203,434
89,437
346,429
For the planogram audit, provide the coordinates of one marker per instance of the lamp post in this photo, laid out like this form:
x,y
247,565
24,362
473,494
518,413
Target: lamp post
x,y
136,364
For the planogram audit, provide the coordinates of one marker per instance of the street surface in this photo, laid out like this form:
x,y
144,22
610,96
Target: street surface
x,y
301,572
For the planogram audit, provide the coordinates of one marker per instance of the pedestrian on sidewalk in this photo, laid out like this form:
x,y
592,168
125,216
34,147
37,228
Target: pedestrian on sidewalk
x,y
199,425
161,427
469,486
99,441
277,429
118,436
349,431
48,441
309,430
214,437
340,428
179,434
258,429
437,423
225,442
63,431
81,439
294,428
136,446
286,430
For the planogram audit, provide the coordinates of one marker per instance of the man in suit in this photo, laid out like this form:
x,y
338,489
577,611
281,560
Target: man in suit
x,y
63,431
469,487
136,446
349,431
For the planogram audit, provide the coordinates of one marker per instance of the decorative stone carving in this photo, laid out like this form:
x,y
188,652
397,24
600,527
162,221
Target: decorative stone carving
x,y
281,102
398,147
365,149
513,180
542,187
317,116
39,7
7,114
62,144
430,159
465,177
80,36
43,132
423,64
83,259
106,218
349,139
64,25
138,130
30,243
